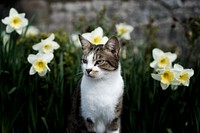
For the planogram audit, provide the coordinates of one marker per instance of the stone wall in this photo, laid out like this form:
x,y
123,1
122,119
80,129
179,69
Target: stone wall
x,y
53,15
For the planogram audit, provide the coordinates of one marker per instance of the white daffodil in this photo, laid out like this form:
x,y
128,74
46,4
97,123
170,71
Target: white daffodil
x,y
96,36
183,75
5,37
39,63
15,21
124,30
76,40
161,59
47,45
32,31
165,76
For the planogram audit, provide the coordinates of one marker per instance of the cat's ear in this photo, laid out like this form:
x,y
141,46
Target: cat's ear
x,y
84,42
113,45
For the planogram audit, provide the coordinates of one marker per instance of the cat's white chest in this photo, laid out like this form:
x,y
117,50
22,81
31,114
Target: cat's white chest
x,y
99,98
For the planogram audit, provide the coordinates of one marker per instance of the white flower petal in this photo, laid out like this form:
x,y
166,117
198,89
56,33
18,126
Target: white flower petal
x,y
172,57
157,53
190,72
9,29
76,40
31,58
175,82
130,28
22,15
156,76
31,31
51,37
6,38
178,67
55,45
43,73
164,86
174,87
104,40
97,32
32,71
5,20
126,36
187,83
19,31
48,57
13,12
153,64
87,36
25,22
37,46
48,68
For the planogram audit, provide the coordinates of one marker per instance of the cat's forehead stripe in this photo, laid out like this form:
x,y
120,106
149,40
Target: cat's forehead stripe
x,y
94,51
93,48
96,48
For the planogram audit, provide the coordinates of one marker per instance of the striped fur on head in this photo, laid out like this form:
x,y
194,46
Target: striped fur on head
x,y
105,56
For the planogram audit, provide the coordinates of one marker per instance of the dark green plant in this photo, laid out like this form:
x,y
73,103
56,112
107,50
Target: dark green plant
x,y
30,103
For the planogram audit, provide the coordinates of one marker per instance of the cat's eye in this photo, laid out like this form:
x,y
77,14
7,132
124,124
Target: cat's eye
x,y
99,62
84,61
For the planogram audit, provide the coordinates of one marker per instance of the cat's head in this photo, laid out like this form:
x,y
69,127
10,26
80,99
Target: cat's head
x,y
100,60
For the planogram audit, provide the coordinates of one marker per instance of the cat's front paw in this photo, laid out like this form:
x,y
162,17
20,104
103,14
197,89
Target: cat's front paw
x,y
90,125
114,125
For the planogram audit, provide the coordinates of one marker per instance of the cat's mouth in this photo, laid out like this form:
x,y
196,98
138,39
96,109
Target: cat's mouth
x,y
89,75
92,74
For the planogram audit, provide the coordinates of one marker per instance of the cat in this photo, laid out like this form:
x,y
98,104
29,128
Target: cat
x,y
101,88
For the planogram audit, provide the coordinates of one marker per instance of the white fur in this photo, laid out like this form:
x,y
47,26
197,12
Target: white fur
x,y
117,131
99,95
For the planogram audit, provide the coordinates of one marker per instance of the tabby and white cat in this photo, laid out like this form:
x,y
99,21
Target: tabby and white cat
x,y
101,86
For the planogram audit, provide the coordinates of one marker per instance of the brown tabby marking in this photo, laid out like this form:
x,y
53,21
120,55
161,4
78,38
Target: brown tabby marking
x,y
111,61
115,124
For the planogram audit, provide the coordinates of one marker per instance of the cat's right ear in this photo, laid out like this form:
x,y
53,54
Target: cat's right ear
x,y
84,42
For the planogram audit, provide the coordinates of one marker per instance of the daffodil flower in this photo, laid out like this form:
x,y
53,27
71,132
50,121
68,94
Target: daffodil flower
x,y
47,45
39,63
124,30
183,75
96,36
15,21
76,40
32,31
161,59
165,76
6,37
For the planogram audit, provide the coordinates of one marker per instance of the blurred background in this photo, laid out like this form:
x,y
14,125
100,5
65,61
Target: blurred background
x,y
50,15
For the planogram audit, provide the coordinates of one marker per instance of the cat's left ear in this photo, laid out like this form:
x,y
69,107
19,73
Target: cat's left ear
x,y
84,42
113,45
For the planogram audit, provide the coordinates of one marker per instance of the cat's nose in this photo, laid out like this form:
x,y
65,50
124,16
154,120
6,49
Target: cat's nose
x,y
88,70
